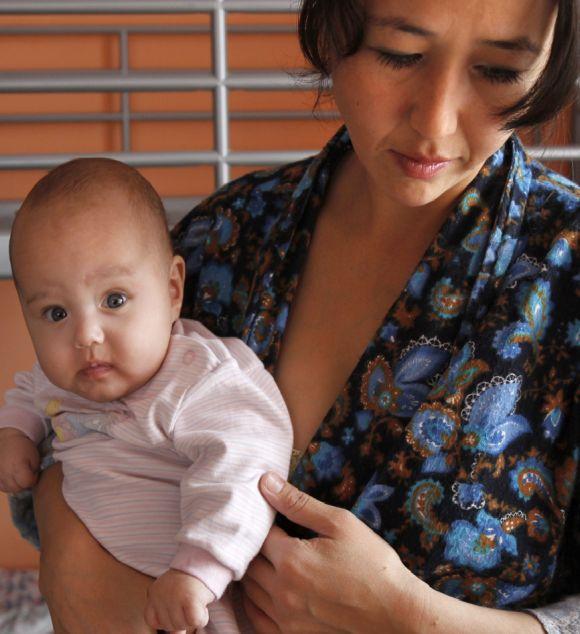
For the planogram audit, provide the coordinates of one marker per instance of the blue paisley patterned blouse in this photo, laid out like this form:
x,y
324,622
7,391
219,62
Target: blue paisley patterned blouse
x,y
457,436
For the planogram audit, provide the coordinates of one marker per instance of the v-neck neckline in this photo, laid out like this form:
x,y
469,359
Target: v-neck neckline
x,y
318,176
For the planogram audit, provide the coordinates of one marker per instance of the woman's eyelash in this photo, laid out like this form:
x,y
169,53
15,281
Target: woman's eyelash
x,y
398,60
500,75
496,75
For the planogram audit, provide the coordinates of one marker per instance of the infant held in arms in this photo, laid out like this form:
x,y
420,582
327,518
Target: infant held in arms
x,y
163,429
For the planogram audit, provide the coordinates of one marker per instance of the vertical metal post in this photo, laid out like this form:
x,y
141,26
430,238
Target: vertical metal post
x,y
220,97
125,98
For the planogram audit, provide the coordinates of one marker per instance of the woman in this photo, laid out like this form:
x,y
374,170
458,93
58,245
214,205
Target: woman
x,y
421,269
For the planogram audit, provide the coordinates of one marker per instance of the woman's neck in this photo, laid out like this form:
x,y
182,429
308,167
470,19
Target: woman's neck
x,y
361,206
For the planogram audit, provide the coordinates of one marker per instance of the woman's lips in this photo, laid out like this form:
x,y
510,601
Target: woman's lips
x,y
97,370
420,167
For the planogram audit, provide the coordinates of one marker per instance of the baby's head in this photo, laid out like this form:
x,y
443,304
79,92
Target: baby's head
x,y
97,280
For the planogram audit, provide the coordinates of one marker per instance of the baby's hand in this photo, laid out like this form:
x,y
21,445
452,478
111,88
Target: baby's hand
x,y
19,461
177,601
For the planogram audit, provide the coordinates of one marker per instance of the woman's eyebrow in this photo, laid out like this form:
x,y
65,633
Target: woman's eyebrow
x,y
400,24
523,44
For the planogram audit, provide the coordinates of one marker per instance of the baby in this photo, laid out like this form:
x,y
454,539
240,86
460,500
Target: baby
x,y
163,429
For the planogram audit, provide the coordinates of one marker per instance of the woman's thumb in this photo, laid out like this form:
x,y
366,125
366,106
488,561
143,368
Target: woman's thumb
x,y
297,506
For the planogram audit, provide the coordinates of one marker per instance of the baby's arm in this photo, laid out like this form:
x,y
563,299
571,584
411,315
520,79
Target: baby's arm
x,y
19,461
21,429
234,426
178,601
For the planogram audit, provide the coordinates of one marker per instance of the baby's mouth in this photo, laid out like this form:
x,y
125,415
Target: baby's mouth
x,y
96,369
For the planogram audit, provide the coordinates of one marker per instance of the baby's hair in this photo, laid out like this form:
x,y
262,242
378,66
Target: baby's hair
x,y
89,176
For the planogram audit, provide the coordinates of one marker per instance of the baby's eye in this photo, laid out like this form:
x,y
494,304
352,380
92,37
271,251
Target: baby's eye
x,y
54,313
115,300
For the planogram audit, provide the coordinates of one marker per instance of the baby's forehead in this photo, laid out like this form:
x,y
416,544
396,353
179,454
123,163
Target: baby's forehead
x,y
85,225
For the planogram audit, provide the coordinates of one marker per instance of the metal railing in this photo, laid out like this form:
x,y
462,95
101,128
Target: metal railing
x,y
219,80
125,81
112,7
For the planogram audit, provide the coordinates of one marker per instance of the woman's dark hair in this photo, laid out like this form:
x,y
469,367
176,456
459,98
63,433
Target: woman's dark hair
x,y
329,28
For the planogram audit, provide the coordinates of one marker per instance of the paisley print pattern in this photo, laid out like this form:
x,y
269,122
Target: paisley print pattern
x,y
446,300
491,426
422,499
479,546
456,436
366,507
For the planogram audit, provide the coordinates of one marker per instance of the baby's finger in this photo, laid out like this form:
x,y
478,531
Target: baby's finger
x,y
195,615
25,477
178,618
9,485
151,617
34,461
166,620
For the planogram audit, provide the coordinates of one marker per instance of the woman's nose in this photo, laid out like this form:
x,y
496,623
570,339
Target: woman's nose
x,y
436,106
88,333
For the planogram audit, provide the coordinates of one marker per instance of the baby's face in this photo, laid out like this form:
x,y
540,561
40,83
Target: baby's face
x,y
98,300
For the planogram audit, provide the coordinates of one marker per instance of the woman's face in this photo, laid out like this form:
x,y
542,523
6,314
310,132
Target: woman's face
x,y
419,96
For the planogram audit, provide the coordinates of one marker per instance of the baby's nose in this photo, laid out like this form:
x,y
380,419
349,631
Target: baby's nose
x,y
88,333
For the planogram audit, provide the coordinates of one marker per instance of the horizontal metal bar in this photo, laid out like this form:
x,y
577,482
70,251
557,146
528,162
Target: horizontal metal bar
x,y
113,117
155,159
555,153
145,29
251,80
137,159
173,159
144,81
175,207
74,7
268,158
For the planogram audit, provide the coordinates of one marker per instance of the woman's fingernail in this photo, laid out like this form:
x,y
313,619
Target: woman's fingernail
x,y
273,482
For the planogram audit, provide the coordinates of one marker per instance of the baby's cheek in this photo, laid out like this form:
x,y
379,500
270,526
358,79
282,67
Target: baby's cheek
x,y
58,365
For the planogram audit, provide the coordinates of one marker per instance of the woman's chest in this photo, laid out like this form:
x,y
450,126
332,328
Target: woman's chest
x,y
346,290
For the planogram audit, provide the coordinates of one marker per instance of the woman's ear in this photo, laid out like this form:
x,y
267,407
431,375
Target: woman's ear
x,y
176,282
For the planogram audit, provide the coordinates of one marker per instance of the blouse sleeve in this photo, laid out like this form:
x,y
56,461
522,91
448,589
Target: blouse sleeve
x,y
562,617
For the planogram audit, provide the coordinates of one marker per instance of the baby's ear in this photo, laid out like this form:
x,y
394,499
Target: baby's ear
x,y
176,281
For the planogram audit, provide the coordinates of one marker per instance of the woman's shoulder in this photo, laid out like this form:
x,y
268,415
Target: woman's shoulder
x,y
224,238
553,192
552,215
248,194
257,199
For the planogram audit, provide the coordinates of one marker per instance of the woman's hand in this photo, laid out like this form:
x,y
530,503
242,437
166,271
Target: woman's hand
x,y
345,580
349,580
87,590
